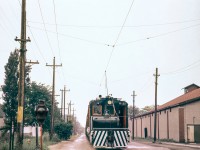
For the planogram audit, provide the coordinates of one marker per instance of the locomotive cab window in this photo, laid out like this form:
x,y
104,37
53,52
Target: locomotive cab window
x,y
97,109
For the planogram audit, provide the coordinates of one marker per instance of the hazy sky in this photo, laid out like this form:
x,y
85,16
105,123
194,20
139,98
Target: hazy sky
x,y
81,34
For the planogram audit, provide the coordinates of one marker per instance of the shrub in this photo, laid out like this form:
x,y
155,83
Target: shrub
x,y
63,130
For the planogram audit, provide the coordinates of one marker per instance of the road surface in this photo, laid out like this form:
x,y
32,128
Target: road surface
x,y
81,143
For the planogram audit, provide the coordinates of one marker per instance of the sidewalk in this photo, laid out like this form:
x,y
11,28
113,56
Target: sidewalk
x,y
150,141
193,145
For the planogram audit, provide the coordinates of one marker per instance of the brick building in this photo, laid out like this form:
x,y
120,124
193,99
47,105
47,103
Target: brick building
x,y
178,119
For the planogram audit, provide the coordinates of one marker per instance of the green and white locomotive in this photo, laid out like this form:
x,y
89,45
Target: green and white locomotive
x,y
107,123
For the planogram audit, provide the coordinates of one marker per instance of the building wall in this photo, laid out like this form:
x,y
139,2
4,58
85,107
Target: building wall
x,y
192,116
146,124
172,123
163,125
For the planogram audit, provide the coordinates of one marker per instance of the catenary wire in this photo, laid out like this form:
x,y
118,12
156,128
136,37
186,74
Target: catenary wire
x,y
113,46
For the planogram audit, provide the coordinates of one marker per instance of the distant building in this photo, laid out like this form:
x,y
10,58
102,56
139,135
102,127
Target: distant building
x,y
177,120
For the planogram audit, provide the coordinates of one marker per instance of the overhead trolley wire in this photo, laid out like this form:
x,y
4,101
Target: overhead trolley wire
x,y
113,46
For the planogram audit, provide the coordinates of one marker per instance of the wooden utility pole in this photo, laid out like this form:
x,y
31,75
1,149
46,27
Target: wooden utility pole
x,y
65,101
133,125
53,96
155,113
73,113
69,110
74,121
61,108
30,63
21,84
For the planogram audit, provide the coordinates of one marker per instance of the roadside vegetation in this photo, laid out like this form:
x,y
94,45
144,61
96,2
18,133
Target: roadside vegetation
x,y
33,93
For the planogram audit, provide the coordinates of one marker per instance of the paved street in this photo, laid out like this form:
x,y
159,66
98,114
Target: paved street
x,y
81,143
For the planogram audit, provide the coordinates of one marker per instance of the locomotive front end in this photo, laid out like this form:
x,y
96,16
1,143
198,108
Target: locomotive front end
x,y
108,124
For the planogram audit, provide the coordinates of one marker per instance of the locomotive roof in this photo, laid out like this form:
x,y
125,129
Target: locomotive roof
x,y
108,98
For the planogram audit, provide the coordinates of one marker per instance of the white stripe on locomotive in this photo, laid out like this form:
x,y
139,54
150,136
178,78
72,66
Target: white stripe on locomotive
x,y
120,138
96,137
98,144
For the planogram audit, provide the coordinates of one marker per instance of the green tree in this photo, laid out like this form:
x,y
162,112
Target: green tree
x,y
10,88
36,93
1,111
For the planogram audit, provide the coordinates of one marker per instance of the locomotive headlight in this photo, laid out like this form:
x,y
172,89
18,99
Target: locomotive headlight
x,y
109,102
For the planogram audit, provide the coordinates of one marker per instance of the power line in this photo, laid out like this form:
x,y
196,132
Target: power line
x,y
58,38
45,28
35,41
183,69
7,18
73,37
37,45
117,26
56,29
158,35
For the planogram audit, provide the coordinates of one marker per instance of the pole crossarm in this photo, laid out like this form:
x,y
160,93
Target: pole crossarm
x,y
32,62
23,40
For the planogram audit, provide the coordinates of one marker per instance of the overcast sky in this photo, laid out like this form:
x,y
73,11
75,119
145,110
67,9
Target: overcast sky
x,y
127,38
